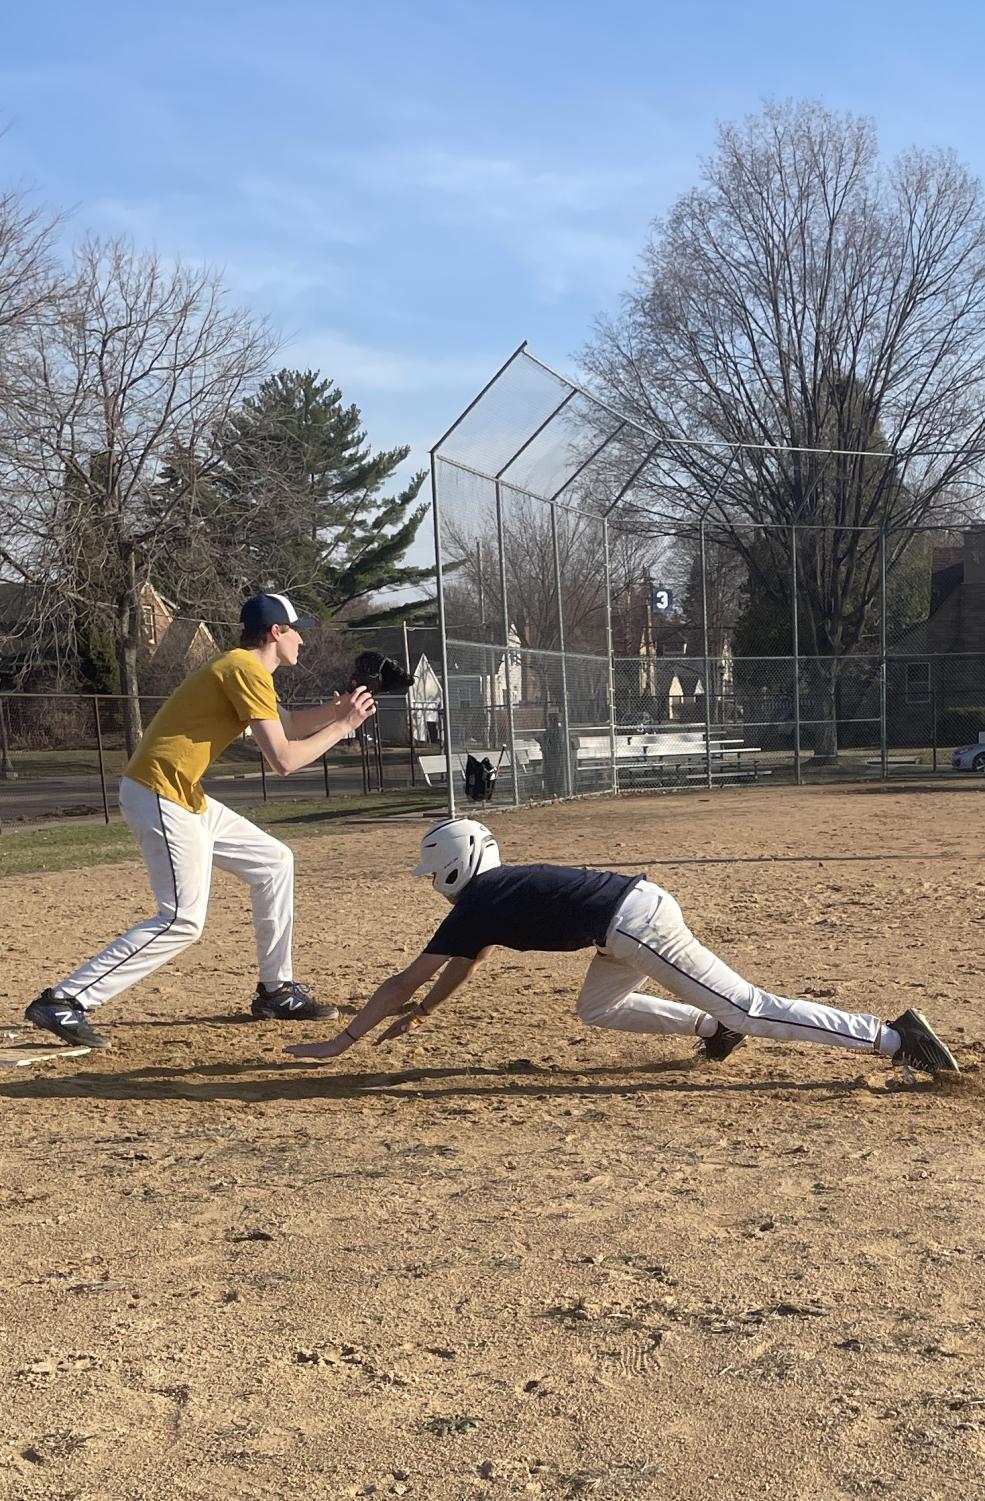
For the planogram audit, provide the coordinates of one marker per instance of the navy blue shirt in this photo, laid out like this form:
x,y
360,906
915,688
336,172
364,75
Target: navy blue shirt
x,y
549,907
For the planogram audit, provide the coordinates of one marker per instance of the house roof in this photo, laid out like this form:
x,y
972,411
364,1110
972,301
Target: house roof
x,y
663,670
947,574
946,583
176,642
14,599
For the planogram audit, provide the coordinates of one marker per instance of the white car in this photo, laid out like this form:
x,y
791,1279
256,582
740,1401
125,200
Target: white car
x,y
969,758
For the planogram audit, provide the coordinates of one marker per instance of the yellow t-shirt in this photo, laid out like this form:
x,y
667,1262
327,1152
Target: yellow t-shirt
x,y
198,722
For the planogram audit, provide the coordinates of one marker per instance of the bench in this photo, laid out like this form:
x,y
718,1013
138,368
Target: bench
x,y
641,760
873,764
658,759
434,770
724,763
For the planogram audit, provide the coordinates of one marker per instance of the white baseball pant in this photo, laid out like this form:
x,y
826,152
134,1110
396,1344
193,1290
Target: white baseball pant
x,y
648,938
179,849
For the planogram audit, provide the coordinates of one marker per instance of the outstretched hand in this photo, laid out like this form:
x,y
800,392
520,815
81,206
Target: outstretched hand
x,y
318,1052
403,1024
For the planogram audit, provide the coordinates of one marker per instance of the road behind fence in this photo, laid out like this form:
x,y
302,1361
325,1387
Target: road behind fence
x,y
62,755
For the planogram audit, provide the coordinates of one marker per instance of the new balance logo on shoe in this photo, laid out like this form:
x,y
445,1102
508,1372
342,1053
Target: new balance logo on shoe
x,y
65,1018
290,1001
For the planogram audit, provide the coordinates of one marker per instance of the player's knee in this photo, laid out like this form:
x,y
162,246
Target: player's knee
x,y
282,859
188,927
589,1008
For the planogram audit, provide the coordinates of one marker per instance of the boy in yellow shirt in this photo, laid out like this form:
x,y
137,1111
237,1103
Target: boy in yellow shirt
x,y
183,833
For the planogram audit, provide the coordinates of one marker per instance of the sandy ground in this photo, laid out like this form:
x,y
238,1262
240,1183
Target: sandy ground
x,y
510,1257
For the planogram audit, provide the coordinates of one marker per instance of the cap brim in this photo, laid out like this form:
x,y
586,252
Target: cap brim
x,y
304,624
420,870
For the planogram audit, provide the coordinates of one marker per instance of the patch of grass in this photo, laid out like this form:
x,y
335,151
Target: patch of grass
x,y
614,1480
71,846
40,765
65,846
293,819
451,1427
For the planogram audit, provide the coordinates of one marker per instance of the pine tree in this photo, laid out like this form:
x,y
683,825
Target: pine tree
x,y
301,498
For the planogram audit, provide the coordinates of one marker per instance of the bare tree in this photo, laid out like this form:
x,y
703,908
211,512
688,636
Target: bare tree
x,y
803,298
531,579
25,268
144,360
532,528
28,294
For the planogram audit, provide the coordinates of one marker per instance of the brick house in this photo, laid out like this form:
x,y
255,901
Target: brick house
x,y
936,672
171,646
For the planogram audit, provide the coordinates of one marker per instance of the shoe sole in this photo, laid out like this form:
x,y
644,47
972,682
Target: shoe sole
x,y
294,1016
72,1039
719,1057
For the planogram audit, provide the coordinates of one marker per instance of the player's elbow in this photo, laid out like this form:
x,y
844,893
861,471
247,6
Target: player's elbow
x,y
282,759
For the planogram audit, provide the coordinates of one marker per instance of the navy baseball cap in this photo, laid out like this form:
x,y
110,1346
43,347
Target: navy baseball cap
x,y
262,611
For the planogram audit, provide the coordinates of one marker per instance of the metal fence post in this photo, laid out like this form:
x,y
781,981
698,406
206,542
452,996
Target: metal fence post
x,y
883,727
102,762
707,657
410,707
443,628
609,653
363,758
510,729
378,754
565,725
795,641
7,772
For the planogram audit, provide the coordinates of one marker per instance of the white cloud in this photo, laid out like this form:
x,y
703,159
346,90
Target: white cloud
x,y
368,367
577,228
174,224
295,212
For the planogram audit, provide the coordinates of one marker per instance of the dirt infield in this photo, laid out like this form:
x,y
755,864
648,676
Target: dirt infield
x,y
510,1257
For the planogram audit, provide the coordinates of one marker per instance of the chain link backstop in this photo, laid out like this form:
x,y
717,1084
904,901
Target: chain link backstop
x,y
595,637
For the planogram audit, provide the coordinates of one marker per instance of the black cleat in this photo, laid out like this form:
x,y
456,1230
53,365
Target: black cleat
x,y
920,1048
717,1047
290,1002
66,1019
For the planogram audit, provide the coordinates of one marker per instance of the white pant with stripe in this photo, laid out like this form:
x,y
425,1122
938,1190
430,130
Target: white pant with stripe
x,y
180,850
649,939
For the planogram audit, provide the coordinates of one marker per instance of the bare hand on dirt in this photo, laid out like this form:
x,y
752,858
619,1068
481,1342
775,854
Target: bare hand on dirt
x,y
318,1052
397,1029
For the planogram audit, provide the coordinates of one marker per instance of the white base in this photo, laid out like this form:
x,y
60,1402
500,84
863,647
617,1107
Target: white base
x,y
23,1057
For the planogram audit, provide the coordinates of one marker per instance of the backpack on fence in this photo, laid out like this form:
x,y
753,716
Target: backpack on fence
x,y
480,778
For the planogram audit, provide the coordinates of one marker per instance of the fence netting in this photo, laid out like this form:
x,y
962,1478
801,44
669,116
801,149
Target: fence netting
x,y
602,632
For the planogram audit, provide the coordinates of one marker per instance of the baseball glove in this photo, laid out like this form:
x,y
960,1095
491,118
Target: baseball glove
x,y
379,674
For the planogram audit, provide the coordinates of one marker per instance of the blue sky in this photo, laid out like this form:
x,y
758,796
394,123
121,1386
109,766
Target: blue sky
x,y
408,190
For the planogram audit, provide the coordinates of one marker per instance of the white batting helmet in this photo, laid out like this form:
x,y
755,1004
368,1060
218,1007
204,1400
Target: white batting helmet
x,y
454,851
